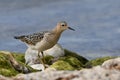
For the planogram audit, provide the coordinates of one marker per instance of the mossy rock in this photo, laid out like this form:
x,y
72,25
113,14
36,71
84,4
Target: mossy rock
x,y
19,57
67,63
48,59
97,61
71,61
62,65
73,54
5,68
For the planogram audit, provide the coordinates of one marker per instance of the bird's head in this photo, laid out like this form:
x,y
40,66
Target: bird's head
x,y
63,26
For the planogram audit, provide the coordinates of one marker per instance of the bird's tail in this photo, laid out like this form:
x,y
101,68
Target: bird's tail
x,y
19,37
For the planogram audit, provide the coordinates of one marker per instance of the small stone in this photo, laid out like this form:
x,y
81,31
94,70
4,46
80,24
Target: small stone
x,y
37,66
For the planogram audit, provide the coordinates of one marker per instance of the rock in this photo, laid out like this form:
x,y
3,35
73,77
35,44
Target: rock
x,y
4,78
38,67
95,73
56,51
5,67
73,54
11,64
112,64
67,63
97,61
31,56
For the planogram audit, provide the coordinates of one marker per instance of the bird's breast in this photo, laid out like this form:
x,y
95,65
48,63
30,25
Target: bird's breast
x,y
47,42
44,45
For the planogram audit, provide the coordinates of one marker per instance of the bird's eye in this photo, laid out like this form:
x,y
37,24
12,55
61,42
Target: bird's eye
x,y
62,25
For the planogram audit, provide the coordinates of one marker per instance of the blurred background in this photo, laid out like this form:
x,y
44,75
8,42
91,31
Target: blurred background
x,y
97,24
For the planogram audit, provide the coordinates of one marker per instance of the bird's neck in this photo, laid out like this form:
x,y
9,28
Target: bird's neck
x,y
57,32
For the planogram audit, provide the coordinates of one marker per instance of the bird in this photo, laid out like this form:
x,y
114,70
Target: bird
x,y
44,40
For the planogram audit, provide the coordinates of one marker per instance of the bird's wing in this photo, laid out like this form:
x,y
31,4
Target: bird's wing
x,y
32,39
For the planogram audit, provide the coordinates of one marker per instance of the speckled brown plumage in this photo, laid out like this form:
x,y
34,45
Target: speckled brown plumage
x,y
32,39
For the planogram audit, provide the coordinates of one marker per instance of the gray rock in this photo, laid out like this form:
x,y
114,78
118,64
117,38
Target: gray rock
x,y
112,64
4,78
96,73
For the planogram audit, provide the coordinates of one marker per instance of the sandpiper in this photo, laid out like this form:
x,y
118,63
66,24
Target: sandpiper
x,y
44,40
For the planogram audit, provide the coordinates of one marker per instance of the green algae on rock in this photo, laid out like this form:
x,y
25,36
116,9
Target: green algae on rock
x,y
48,59
97,61
19,57
71,61
12,64
62,65
73,54
67,63
5,68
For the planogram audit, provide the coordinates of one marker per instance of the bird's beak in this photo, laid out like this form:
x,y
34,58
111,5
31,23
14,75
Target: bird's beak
x,y
71,28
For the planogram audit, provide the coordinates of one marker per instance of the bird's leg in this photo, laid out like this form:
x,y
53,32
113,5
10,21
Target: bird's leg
x,y
41,60
43,56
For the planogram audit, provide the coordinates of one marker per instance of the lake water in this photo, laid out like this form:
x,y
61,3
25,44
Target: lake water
x,y
97,24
